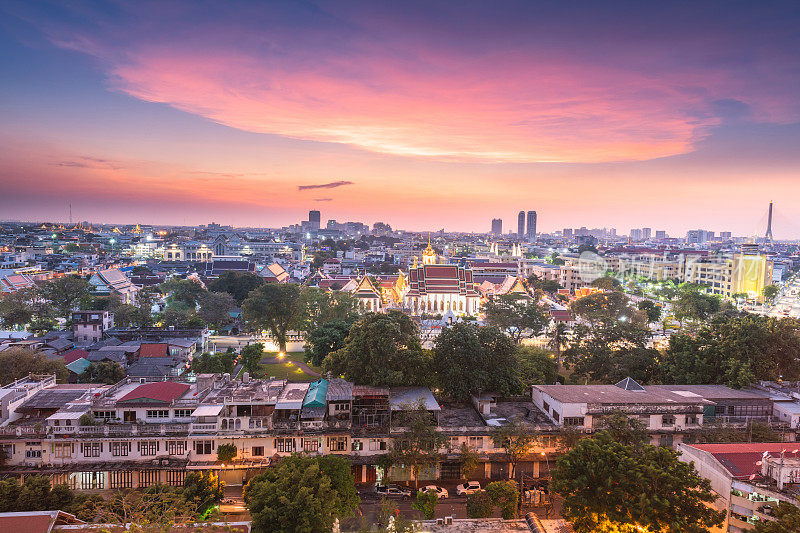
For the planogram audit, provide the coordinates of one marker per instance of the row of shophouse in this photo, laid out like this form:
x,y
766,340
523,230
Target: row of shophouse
x,y
138,432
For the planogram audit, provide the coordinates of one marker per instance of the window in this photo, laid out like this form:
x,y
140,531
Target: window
x,y
120,479
183,413
476,443
92,480
148,477
33,454
204,447
120,449
667,420
175,478
257,451
573,420
556,416
104,415
357,446
691,420
337,444
546,407
147,447
377,445
92,449
285,444
312,444
176,447
665,440
62,451
158,413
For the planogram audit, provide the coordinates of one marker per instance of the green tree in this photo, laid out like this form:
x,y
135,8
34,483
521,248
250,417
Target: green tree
x,y
18,362
425,503
417,444
145,299
64,293
226,452
301,494
237,284
558,338
469,461
602,306
183,292
479,505
215,309
537,366
694,304
203,488
318,307
651,311
9,494
326,339
180,317
468,359
735,351
610,350
274,307
17,308
544,285
607,283
251,357
516,440
207,363
35,494
504,494
108,372
384,350
770,292
520,318
610,486
787,520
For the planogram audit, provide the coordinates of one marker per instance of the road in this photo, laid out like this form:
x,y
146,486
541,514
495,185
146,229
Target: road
x,y
787,302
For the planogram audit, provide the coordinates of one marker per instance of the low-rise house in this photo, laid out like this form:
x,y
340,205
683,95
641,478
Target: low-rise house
x,y
89,327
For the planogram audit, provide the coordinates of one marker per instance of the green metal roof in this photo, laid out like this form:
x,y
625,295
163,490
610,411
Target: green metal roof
x,y
317,392
78,365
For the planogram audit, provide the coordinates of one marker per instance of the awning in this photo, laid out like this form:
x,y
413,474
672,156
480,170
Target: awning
x,y
208,410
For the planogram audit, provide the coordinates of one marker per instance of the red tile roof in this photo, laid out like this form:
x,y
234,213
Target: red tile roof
x,y
740,458
153,350
159,391
74,355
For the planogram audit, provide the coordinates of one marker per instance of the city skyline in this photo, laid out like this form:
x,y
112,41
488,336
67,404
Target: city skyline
x,y
600,117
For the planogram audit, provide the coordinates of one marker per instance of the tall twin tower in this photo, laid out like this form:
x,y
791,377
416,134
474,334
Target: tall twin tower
x,y
530,235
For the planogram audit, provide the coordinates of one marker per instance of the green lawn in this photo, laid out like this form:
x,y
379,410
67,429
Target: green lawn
x,y
288,368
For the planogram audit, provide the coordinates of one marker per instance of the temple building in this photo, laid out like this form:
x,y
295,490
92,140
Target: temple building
x,y
435,287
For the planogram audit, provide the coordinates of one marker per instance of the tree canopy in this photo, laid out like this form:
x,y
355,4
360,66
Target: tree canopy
x,y
610,486
274,307
468,359
18,362
325,339
302,494
735,351
382,349
520,318
238,284
108,372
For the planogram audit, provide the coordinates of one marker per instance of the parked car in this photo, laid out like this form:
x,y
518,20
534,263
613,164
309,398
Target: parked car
x,y
391,491
470,487
440,491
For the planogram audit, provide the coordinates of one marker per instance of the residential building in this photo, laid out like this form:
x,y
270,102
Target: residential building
x,y
88,327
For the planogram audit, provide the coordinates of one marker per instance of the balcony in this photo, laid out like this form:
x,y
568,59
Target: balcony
x,y
204,428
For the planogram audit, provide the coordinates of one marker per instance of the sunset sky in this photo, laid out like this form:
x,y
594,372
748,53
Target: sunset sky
x,y
425,115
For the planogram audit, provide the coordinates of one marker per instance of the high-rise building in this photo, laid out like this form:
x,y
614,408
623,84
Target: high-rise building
x,y
725,235
646,233
567,232
497,226
313,219
661,234
521,225
531,235
636,234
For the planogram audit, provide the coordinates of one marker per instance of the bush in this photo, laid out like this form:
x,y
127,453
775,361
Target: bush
x,y
426,503
479,505
226,452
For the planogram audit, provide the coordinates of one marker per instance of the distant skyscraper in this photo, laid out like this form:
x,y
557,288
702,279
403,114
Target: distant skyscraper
x,y
531,235
646,232
768,236
725,235
521,225
313,219
636,234
567,232
497,226
661,234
